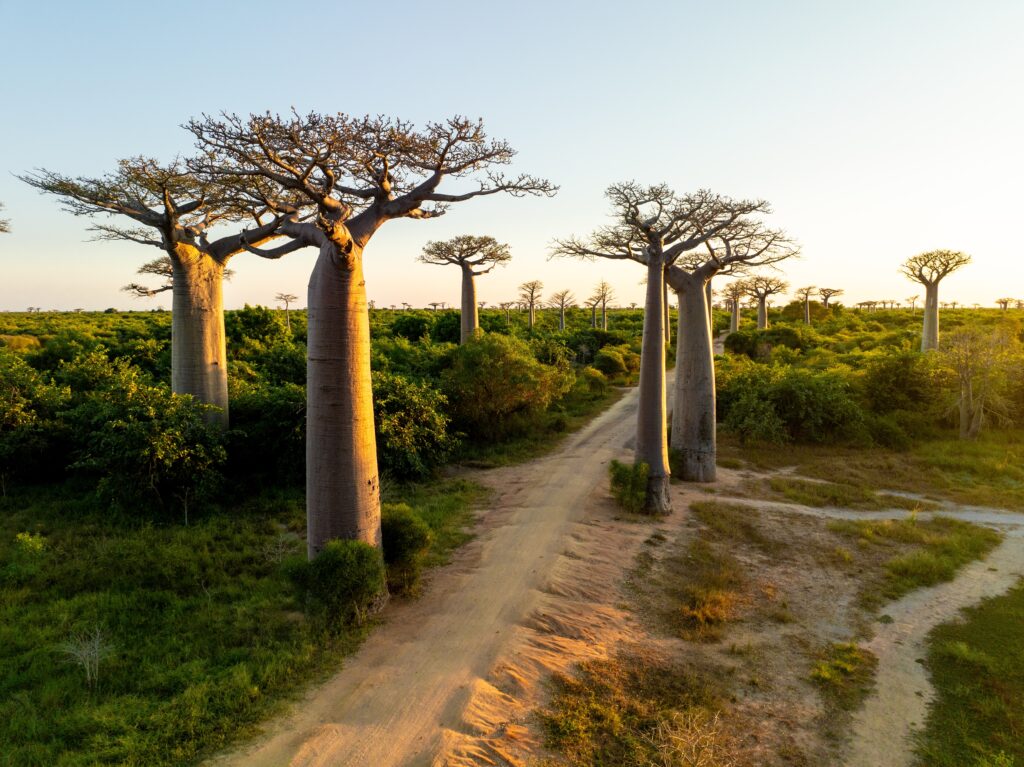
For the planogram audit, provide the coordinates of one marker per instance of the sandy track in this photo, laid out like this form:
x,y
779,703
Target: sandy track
x,y
420,688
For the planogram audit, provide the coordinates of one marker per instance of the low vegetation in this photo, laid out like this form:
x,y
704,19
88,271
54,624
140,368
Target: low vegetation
x,y
629,485
977,667
841,495
845,672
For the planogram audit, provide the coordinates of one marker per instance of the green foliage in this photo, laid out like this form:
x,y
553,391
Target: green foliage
x,y
411,326
342,584
629,485
845,673
28,427
406,539
142,443
267,415
255,323
412,426
447,327
975,665
496,387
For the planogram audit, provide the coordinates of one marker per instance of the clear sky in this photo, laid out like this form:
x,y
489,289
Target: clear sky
x,y
876,128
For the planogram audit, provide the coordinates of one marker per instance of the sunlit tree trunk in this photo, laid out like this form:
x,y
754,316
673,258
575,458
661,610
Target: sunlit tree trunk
x,y
667,322
651,439
762,313
693,412
734,319
604,315
593,316
198,352
561,319
807,311
470,320
708,293
930,331
342,486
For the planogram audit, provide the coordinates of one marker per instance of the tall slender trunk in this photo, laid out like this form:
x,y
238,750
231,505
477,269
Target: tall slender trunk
x,y
604,315
531,316
734,319
966,407
693,414
807,311
930,331
561,319
469,318
651,438
287,319
762,313
342,486
507,318
199,362
593,316
824,303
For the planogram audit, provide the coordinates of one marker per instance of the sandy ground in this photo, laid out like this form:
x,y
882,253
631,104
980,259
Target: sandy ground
x,y
453,679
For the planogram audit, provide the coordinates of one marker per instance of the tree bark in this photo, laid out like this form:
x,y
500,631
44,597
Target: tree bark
x,y
651,439
342,485
531,317
807,311
593,316
561,319
604,315
734,319
930,330
762,313
469,319
667,323
708,293
693,414
199,364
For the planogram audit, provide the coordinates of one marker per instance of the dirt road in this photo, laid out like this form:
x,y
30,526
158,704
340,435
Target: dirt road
x,y
419,686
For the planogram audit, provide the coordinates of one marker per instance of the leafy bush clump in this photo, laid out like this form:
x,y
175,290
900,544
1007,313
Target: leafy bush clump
x,y
343,584
629,485
412,426
406,538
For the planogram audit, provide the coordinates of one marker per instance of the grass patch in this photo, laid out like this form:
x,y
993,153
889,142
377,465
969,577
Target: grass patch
x,y
842,495
705,588
447,506
128,643
635,709
937,549
986,472
977,667
845,674
735,522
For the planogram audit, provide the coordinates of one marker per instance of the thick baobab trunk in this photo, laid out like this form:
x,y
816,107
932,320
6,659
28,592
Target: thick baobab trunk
x,y
470,319
199,364
532,317
651,439
593,316
762,313
966,409
342,486
561,319
807,311
693,415
734,318
708,293
930,331
665,306
604,316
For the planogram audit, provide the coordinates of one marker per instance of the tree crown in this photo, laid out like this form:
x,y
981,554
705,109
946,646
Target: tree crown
x,y
483,253
929,268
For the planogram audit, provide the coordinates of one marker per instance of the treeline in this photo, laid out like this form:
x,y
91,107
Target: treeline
x,y
87,397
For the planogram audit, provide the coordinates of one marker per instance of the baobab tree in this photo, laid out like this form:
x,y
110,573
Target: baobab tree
x,y
173,209
1003,303
507,306
603,293
734,293
530,298
983,363
761,287
930,269
804,294
474,256
827,294
912,300
740,242
287,299
161,267
356,174
562,300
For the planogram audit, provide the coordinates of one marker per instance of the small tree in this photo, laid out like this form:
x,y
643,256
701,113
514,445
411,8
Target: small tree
x,y
734,293
827,294
603,293
930,269
474,256
983,362
507,306
804,294
529,295
287,299
1003,303
760,287
563,300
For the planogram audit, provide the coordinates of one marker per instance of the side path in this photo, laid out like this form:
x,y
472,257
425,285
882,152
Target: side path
x,y
413,678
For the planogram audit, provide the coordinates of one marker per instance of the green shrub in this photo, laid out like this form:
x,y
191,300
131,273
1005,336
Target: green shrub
x,y
594,380
610,362
406,539
412,426
411,326
343,584
29,433
629,485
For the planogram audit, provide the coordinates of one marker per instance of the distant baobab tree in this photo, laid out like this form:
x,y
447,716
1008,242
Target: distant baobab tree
x,y
357,173
474,256
734,293
632,304
5,224
1003,303
912,300
827,294
406,306
761,287
481,304
562,300
930,269
603,293
287,299
804,294
507,306
434,304
529,295
171,208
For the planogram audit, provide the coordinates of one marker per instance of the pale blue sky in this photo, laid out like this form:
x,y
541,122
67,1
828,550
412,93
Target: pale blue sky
x,y
877,129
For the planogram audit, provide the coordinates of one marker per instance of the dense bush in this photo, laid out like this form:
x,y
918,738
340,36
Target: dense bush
x,y
412,427
265,417
405,538
496,387
343,584
629,485
411,326
28,425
